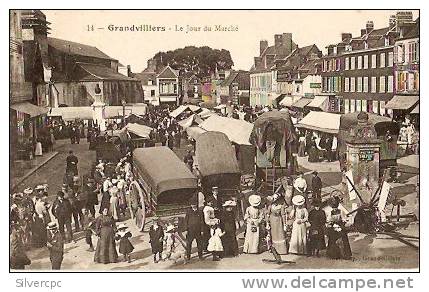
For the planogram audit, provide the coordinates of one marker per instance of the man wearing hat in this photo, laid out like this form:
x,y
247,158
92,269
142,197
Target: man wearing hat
x,y
62,211
71,163
55,246
316,185
210,221
194,224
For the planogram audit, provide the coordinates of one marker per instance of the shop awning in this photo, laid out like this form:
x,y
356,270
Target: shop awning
x,y
29,109
182,108
321,121
302,102
416,110
117,111
139,130
319,102
72,113
402,102
287,100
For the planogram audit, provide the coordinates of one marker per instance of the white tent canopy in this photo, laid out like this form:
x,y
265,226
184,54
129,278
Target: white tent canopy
x,y
320,102
321,121
194,132
72,113
182,108
139,130
238,131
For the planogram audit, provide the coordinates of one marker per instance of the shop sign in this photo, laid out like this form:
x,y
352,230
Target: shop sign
x,y
366,155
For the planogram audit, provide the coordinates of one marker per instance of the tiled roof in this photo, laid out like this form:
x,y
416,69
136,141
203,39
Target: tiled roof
x,y
144,77
100,72
168,72
77,49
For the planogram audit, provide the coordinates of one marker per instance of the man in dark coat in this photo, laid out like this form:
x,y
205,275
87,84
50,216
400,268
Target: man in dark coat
x,y
62,211
156,235
316,186
71,163
91,197
55,246
194,223
317,219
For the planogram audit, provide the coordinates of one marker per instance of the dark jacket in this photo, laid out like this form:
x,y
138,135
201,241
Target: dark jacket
x,y
156,239
316,183
62,209
56,246
194,221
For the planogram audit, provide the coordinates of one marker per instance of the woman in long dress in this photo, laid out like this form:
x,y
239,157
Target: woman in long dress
x,y
298,241
229,240
253,218
338,241
301,147
277,219
106,248
114,203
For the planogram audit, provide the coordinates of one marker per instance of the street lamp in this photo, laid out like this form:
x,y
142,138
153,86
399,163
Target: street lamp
x,y
123,112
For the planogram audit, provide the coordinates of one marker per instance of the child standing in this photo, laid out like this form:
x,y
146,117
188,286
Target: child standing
x,y
156,235
88,227
215,243
125,246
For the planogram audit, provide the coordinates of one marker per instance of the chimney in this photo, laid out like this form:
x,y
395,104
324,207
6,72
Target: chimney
x,y
129,73
151,65
278,40
263,44
345,36
369,26
258,62
392,21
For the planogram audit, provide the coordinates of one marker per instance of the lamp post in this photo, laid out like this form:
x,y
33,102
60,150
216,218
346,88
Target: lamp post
x,y
123,112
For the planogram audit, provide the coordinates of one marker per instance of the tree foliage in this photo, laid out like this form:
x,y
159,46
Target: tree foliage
x,y
201,61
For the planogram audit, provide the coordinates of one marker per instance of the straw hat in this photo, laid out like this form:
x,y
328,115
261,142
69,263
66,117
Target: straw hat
x,y
255,200
122,226
229,203
52,225
298,200
28,191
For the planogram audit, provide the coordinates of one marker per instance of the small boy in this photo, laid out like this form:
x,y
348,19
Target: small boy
x,y
156,234
88,226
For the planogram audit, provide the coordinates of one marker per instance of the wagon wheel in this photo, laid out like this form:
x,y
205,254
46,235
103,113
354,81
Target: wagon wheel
x,y
137,194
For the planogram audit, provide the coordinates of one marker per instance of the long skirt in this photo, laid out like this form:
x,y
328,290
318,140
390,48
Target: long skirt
x,y
313,155
39,232
338,245
301,149
252,239
106,248
298,240
278,236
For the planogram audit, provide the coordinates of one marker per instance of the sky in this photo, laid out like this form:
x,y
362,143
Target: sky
x,y
321,27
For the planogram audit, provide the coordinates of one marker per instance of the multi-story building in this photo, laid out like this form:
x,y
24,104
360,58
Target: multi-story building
x,y
298,75
148,81
358,73
263,76
407,77
169,85
235,88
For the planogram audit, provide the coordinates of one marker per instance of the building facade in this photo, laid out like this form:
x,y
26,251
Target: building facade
x,y
358,74
263,74
169,85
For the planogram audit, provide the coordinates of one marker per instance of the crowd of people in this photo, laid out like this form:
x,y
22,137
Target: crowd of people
x,y
291,221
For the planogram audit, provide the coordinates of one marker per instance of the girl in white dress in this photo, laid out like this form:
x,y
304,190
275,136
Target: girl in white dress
x,y
215,243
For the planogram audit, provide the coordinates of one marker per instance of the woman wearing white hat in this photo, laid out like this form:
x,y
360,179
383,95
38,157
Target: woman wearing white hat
x,y
277,219
253,218
298,240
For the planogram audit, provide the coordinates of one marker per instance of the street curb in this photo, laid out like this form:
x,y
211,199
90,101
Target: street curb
x,y
20,180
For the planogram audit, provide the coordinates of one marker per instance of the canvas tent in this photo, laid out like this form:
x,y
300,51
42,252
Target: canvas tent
x,y
238,131
321,122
